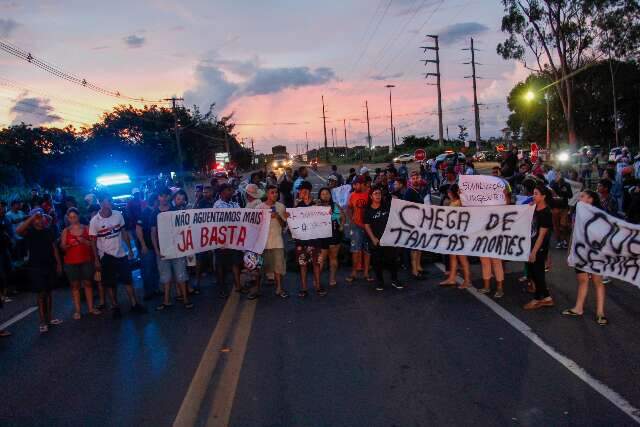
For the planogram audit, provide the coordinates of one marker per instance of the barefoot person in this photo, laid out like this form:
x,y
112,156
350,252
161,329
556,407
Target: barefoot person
x,y
78,261
592,198
453,193
541,227
44,262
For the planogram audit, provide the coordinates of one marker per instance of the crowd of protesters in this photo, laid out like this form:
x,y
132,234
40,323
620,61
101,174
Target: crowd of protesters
x,y
93,247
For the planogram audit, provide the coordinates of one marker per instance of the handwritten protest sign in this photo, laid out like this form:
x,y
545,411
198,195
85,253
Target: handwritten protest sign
x,y
604,244
182,233
500,232
309,223
341,195
481,190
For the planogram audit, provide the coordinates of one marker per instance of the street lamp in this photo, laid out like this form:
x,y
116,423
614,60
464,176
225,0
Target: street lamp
x,y
530,96
393,135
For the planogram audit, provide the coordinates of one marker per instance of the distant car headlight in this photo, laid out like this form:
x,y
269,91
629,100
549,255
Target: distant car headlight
x,y
563,157
274,164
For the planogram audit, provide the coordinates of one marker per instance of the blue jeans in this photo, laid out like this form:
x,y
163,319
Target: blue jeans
x,y
149,272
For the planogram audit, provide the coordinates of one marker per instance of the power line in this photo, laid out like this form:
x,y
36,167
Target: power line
x,y
51,69
366,47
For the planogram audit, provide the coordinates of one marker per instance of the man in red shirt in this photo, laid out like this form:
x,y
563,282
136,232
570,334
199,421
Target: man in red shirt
x,y
358,202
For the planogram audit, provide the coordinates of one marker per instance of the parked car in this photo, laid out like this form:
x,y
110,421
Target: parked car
x,y
404,158
449,157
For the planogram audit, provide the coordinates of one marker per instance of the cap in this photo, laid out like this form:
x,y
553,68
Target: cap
x,y
36,211
254,191
332,178
364,170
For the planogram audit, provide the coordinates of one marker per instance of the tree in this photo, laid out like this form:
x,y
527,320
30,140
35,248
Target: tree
x,y
565,37
462,134
594,118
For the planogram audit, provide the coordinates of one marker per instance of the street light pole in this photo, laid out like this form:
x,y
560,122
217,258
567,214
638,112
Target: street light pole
x,y
546,98
393,139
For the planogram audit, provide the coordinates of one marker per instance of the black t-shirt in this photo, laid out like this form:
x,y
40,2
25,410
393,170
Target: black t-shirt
x,y
40,246
377,219
541,219
563,190
145,221
411,195
205,204
156,212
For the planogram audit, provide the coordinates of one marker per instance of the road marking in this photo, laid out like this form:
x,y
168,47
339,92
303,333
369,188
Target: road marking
x,y
190,408
18,317
609,394
318,175
225,390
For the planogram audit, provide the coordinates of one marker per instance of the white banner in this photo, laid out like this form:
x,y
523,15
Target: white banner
x,y
481,190
182,233
499,232
576,188
603,244
341,195
313,222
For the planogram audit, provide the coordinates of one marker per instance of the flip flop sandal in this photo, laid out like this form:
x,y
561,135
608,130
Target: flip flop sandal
x,y
303,294
253,296
321,292
370,279
484,290
333,284
77,316
189,306
283,295
570,312
55,322
350,279
602,321
163,306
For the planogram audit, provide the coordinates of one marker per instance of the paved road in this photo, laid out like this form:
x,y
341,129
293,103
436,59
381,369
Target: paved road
x,y
420,356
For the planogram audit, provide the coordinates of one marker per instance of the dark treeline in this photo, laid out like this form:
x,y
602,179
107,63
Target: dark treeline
x,y
138,140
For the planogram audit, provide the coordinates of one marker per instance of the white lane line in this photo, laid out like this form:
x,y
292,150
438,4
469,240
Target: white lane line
x,y
572,366
18,317
225,390
190,408
318,175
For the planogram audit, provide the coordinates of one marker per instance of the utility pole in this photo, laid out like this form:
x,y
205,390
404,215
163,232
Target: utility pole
x,y
436,48
306,135
393,136
176,129
366,104
253,153
324,121
476,110
346,145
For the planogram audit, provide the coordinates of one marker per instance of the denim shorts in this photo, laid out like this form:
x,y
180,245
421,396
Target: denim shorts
x,y
173,269
358,239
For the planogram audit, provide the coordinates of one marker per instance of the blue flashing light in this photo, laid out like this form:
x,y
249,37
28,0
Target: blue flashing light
x,y
113,179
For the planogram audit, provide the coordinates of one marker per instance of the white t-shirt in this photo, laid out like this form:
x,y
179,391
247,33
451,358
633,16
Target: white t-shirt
x,y
275,240
108,233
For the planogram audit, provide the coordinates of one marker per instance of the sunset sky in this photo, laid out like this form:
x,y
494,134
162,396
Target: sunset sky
x,y
268,61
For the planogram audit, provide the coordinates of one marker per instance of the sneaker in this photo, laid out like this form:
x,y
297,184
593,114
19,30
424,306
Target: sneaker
x,y
116,313
498,294
565,245
44,329
559,245
380,287
139,309
397,284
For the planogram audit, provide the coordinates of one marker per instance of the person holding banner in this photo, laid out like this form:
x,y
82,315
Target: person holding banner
x,y
274,255
453,193
410,194
169,270
228,258
590,197
375,221
308,251
331,245
541,227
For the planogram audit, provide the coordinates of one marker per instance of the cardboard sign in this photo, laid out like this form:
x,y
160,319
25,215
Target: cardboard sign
x,y
606,245
183,233
313,222
482,190
341,195
502,232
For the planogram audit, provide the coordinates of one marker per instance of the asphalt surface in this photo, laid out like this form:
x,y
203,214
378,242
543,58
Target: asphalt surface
x,y
419,356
